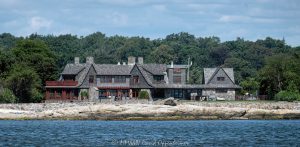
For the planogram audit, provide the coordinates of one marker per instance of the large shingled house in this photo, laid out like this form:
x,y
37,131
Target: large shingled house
x,y
127,80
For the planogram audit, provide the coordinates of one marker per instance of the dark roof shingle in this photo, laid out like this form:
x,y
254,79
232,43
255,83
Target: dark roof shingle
x,y
112,69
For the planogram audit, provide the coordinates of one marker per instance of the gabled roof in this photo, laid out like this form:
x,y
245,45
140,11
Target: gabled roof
x,y
155,69
145,74
73,69
84,73
112,69
209,73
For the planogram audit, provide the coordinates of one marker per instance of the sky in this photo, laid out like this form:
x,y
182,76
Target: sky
x,y
227,19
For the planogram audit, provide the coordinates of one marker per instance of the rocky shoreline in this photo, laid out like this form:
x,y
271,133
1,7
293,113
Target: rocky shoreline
x,y
144,110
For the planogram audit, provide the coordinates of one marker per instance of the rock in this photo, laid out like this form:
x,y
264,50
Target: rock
x,y
170,101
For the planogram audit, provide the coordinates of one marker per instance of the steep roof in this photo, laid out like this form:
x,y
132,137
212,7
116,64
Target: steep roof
x,y
112,69
209,73
73,69
155,69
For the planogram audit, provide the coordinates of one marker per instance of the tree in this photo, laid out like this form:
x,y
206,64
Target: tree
x,y
36,54
162,54
6,60
24,82
219,54
7,96
278,73
250,85
196,76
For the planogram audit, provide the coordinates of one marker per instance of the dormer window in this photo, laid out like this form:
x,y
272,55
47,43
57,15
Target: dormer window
x,y
91,79
135,79
158,78
221,78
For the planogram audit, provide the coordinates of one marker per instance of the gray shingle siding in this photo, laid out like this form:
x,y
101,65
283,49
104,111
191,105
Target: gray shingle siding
x,y
142,79
220,73
92,72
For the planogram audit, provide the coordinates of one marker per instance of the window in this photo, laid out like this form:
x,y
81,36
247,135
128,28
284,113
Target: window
x,y
177,93
51,93
58,92
135,79
112,92
91,79
220,78
177,71
120,79
221,90
158,78
105,79
177,79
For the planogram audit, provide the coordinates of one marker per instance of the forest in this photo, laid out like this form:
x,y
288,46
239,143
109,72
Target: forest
x,y
263,67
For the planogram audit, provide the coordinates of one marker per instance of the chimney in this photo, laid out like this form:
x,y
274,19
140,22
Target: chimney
x,y
172,64
166,79
124,63
140,60
76,60
89,60
119,63
131,60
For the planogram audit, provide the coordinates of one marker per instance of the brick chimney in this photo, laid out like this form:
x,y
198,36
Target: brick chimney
x,y
140,60
131,60
76,60
89,60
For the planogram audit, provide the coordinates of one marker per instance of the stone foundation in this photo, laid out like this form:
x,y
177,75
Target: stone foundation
x,y
211,93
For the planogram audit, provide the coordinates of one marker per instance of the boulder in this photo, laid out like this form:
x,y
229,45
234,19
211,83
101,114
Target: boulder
x,y
170,101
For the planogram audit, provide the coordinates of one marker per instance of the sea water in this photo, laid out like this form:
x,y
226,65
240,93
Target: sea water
x,y
150,133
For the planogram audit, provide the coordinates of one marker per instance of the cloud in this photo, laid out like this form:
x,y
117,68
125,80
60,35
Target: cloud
x,y
234,18
247,19
36,23
118,19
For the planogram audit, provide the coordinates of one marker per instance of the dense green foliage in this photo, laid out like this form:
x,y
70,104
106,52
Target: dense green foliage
x,y
7,96
287,96
267,65
24,82
25,66
250,85
144,95
84,94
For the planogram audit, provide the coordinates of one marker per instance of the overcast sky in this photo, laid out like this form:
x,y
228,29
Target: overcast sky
x,y
251,19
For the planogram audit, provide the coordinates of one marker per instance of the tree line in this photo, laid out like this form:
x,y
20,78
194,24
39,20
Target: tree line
x,y
265,66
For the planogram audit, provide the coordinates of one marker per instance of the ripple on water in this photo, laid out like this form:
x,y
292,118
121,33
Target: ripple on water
x,y
191,133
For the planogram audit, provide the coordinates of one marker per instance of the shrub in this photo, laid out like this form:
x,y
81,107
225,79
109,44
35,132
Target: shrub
x,y
36,96
143,95
7,96
84,94
287,96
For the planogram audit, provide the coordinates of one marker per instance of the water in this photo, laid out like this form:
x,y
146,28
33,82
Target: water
x,y
148,133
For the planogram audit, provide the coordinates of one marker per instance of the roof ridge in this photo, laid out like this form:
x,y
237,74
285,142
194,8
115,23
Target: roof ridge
x,y
228,76
213,75
143,74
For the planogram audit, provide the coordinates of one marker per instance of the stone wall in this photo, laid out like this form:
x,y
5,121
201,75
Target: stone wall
x,y
93,94
229,95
